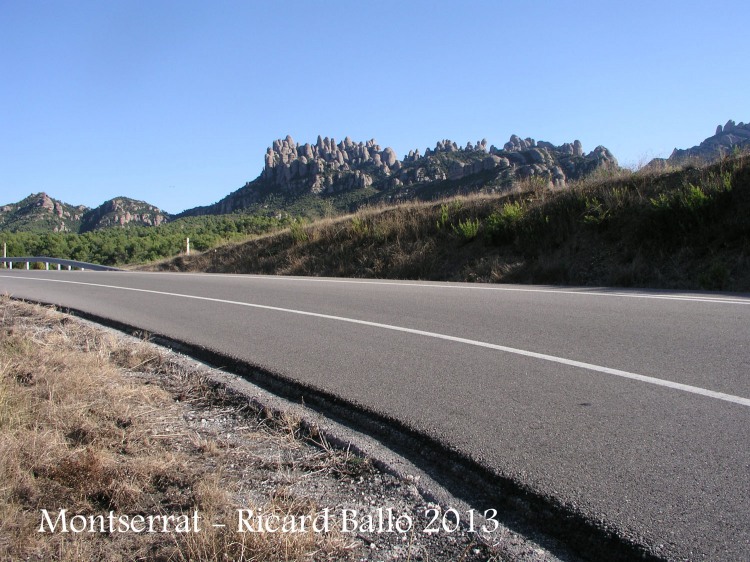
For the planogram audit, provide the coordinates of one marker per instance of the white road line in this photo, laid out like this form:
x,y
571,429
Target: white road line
x,y
478,287
525,353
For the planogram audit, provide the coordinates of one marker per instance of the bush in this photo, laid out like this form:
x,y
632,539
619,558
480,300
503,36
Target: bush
x,y
298,232
444,219
359,226
502,225
467,229
445,214
596,212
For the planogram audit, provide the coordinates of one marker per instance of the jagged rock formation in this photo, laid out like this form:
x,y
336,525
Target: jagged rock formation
x,y
720,145
121,211
723,143
327,166
330,167
363,171
356,172
40,212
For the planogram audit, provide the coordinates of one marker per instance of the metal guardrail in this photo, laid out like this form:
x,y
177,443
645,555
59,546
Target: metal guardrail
x,y
69,264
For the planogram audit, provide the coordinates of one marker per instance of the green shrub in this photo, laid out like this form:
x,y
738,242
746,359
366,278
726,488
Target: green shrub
x,y
359,226
725,181
445,214
502,225
693,198
298,232
596,212
661,203
467,229
444,219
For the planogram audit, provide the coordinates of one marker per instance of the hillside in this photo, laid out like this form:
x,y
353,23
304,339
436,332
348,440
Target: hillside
x,y
686,229
122,211
329,178
401,201
139,244
40,212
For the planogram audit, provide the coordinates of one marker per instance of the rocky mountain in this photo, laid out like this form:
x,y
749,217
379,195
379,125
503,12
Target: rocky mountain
x,y
352,173
121,211
723,143
40,212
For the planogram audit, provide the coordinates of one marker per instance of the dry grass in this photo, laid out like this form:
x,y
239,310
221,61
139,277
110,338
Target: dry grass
x,y
81,429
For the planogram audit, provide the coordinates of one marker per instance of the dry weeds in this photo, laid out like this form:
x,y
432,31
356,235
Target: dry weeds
x,y
92,422
81,429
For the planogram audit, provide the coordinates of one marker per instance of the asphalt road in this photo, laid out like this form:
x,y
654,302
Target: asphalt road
x,y
631,406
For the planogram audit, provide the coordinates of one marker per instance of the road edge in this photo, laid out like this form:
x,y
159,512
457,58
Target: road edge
x,y
463,477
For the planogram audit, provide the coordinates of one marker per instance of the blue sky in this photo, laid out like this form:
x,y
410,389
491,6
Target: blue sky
x,y
175,102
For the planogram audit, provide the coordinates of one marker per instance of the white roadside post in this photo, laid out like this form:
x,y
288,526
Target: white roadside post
x,y
58,267
46,266
27,264
187,246
5,253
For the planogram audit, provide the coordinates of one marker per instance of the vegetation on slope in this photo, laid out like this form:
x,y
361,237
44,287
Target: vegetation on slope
x,y
139,244
40,213
678,229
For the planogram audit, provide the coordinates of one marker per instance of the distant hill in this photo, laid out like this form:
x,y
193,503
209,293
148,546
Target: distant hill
x,y
121,211
311,179
40,212
726,140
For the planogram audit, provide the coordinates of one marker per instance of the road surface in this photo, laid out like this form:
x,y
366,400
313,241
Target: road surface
x,y
629,407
